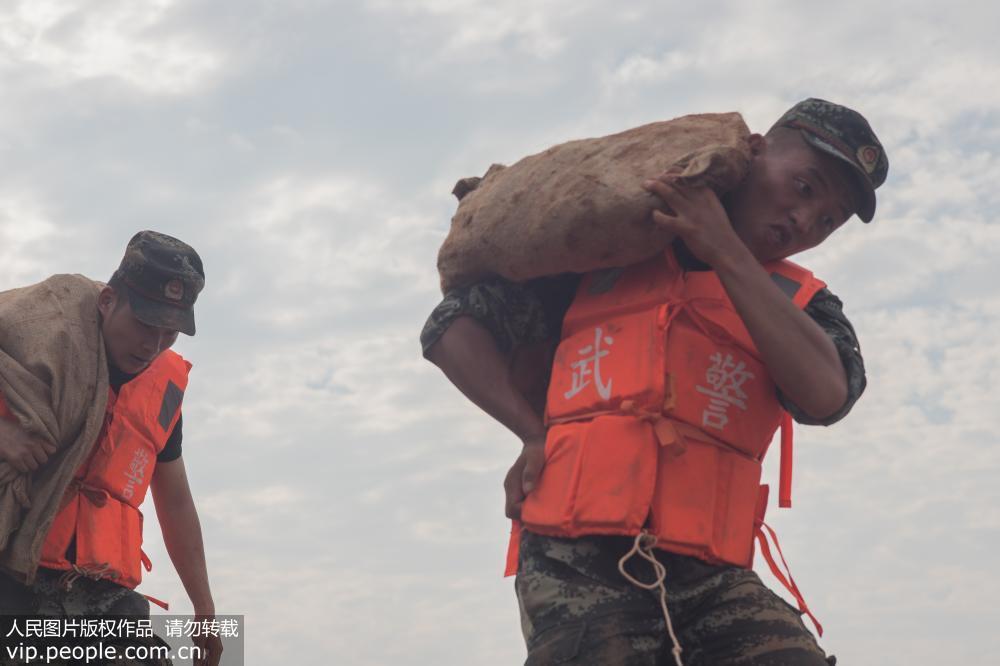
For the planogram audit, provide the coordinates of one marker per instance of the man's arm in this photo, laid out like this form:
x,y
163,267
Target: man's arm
x,y
481,336
470,359
799,355
828,312
182,536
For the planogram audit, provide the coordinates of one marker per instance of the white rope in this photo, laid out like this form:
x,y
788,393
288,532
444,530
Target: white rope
x,y
643,547
94,572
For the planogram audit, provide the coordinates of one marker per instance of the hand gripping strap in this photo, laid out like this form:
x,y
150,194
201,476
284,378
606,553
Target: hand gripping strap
x,y
788,582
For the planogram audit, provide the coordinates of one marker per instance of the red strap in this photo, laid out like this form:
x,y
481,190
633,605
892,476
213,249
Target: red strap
x,y
148,564
513,548
785,476
97,496
788,582
712,330
162,604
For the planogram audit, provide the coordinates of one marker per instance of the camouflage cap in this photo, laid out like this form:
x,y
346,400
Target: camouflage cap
x,y
845,134
163,277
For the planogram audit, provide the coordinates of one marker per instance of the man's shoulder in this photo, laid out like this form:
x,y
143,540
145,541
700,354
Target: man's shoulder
x,y
60,284
73,281
173,363
68,285
62,297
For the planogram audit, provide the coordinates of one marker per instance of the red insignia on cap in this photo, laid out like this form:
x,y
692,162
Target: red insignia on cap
x,y
174,290
868,156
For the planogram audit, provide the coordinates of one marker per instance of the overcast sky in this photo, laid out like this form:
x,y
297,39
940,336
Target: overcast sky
x,y
351,500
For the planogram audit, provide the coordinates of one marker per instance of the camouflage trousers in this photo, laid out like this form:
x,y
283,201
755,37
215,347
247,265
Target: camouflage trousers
x,y
577,608
48,597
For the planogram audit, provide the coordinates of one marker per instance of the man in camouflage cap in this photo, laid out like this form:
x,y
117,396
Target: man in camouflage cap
x,y
90,560
818,165
847,136
156,271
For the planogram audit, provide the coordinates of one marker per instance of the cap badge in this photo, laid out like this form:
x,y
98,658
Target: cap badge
x,y
868,157
174,290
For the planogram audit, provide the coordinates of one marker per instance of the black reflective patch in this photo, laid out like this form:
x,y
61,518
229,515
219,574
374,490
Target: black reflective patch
x,y
787,285
172,398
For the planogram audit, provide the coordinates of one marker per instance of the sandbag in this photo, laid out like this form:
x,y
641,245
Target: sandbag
x,y
579,206
54,379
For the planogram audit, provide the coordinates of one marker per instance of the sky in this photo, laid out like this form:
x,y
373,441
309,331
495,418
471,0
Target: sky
x,y
350,498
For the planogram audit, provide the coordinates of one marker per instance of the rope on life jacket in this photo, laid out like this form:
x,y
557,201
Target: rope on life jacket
x,y
94,572
643,547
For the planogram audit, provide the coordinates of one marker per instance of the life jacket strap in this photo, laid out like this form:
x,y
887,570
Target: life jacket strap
x,y
787,581
162,604
691,307
643,547
513,548
148,565
785,473
97,496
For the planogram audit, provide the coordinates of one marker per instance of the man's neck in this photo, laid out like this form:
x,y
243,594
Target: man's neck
x,y
686,258
118,378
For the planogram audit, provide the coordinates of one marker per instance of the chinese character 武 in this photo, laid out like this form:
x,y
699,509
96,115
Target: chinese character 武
x,y
581,369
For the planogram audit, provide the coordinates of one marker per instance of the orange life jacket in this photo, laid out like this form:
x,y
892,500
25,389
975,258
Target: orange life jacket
x,y
101,505
659,413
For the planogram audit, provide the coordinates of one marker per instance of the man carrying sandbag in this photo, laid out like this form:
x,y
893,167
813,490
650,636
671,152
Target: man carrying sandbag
x,y
637,492
90,400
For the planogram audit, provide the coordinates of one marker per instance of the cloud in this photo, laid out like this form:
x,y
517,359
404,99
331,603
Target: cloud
x,y
242,510
480,30
126,41
25,231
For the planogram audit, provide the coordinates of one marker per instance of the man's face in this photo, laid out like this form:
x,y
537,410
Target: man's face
x,y
131,344
792,199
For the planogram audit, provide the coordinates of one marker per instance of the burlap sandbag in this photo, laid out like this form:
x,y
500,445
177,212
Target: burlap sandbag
x,y
580,206
54,378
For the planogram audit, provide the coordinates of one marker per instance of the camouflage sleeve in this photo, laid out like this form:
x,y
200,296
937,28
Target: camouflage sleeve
x,y
828,311
514,314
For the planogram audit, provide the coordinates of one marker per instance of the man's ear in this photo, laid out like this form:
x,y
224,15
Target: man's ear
x,y
758,144
106,301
